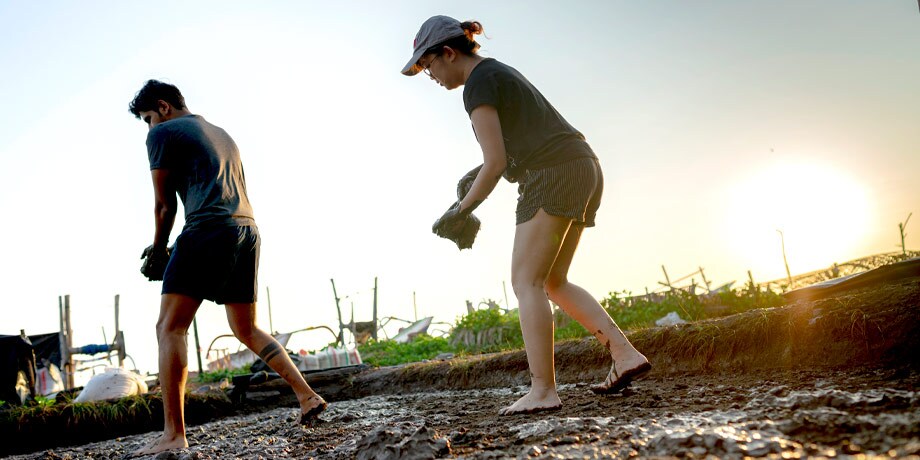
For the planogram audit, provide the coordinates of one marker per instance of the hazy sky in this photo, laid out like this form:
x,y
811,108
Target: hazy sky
x,y
716,124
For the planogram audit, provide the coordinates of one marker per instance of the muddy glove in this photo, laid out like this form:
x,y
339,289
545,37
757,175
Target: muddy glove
x,y
155,261
458,226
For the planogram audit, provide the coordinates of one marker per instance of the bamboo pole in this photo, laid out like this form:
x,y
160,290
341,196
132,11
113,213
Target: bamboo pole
x,y
902,226
268,296
197,345
119,337
705,281
666,279
338,309
374,331
68,344
62,340
782,240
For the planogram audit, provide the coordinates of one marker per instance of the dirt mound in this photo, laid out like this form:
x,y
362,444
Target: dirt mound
x,y
875,326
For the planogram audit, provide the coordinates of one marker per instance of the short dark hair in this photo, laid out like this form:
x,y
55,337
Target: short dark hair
x,y
153,91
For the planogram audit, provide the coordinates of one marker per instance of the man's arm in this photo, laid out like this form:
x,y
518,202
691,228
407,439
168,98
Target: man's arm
x,y
164,192
489,133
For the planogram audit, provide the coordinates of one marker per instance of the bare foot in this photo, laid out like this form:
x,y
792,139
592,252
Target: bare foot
x,y
532,403
161,444
311,408
622,373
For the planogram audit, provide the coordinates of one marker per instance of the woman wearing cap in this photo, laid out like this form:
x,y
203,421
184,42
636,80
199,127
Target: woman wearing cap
x,y
560,185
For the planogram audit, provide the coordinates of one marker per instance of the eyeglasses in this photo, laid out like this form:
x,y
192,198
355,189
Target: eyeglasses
x,y
428,72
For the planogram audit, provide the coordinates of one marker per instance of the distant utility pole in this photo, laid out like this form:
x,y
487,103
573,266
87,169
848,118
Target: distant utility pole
x,y
902,226
782,241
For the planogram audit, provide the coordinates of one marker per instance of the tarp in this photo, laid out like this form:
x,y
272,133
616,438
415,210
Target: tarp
x,y
47,348
17,367
905,269
408,333
25,356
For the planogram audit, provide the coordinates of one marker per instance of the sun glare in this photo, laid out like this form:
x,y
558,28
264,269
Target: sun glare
x,y
821,213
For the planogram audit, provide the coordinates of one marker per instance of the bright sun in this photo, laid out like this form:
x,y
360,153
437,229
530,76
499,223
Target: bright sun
x,y
822,214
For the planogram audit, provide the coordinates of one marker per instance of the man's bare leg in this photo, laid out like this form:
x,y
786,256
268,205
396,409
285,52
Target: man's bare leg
x,y
242,319
176,314
582,307
536,244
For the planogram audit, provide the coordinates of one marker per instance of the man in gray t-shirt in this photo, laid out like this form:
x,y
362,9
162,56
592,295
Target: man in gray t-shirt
x,y
216,257
210,179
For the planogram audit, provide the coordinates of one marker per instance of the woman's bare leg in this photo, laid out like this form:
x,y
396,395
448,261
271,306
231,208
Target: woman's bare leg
x,y
581,306
536,244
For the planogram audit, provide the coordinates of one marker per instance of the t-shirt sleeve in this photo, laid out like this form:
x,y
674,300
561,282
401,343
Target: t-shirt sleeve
x,y
482,91
157,141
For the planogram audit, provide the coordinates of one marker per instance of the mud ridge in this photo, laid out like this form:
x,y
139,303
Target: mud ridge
x,y
872,326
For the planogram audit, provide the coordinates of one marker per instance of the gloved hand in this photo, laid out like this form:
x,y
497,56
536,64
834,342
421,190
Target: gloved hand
x,y
155,261
458,226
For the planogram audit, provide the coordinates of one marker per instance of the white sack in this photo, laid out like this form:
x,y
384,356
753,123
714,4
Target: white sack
x,y
112,384
48,380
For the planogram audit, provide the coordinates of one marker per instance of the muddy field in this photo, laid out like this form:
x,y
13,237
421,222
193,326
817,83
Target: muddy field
x,y
784,414
835,376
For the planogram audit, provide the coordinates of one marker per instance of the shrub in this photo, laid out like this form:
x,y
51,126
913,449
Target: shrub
x,y
220,374
389,353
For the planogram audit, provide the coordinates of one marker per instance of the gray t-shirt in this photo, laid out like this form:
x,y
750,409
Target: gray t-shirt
x,y
205,164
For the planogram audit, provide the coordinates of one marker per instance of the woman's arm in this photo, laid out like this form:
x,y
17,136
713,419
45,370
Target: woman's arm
x,y
489,133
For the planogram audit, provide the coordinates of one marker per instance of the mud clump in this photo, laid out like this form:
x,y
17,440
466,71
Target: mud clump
x,y
403,441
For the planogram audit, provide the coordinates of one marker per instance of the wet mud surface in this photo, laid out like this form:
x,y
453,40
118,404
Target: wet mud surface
x,y
779,414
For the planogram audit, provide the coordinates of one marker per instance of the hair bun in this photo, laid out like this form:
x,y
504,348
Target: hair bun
x,y
471,28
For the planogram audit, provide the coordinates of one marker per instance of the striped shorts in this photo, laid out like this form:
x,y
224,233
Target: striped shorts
x,y
572,189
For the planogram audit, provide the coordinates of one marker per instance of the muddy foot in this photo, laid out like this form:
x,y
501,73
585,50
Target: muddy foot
x,y
531,403
161,444
310,415
616,382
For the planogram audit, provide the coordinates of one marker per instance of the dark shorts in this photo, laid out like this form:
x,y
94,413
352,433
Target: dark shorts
x,y
220,264
572,189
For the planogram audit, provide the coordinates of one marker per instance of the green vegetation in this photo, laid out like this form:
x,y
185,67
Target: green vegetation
x,y
115,411
43,401
220,374
492,329
61,421
642,311
388,353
